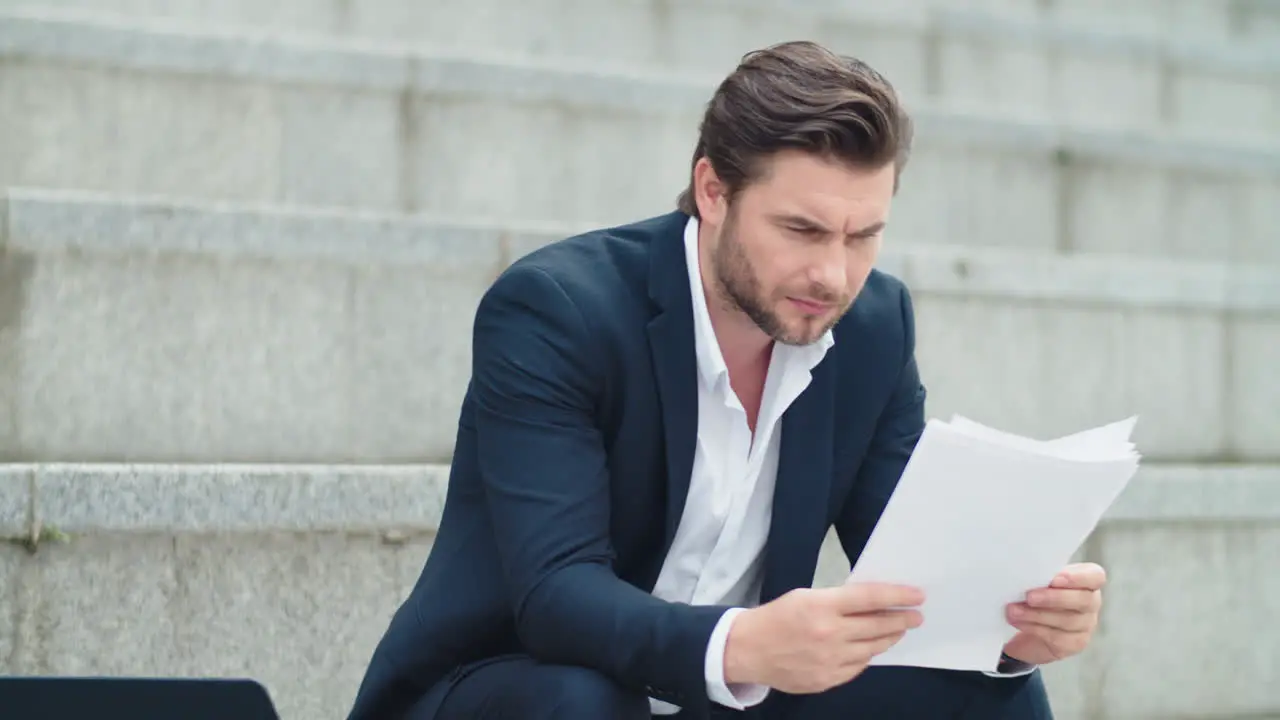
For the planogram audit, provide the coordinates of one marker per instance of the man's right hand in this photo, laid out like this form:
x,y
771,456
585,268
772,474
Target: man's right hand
x,y
811,640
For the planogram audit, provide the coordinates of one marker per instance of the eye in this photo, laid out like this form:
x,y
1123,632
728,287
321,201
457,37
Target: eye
x,y
804,231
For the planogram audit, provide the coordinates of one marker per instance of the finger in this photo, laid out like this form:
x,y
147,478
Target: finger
x,y
1023,617
1055,599
1061,644
862,651
881,645
1081,576
858,598
882,624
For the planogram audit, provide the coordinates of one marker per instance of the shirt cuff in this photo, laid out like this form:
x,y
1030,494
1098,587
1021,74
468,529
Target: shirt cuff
x,y
738,696
1011,668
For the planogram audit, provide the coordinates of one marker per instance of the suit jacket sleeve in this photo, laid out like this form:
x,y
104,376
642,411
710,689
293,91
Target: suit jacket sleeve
x,y
544,468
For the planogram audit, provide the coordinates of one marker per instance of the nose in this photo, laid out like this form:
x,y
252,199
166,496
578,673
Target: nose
x,y
830,271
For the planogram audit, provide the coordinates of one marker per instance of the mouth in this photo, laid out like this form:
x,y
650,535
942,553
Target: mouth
x,y
811,307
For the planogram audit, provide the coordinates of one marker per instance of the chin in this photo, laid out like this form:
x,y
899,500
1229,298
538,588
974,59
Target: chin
x,y
800,336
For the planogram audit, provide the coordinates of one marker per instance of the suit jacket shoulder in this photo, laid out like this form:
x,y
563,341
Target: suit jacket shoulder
x,y
603,273
601,264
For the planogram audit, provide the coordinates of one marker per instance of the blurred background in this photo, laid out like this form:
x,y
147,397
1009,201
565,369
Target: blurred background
x,y
241,243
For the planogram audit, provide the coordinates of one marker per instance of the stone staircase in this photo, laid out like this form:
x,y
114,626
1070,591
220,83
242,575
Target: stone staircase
x,y
240,246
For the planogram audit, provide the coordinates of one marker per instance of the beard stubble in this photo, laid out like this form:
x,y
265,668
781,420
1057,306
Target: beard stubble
x,y
738,286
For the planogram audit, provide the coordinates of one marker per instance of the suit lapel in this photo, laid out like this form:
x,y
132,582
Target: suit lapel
x,y
802,493
671,345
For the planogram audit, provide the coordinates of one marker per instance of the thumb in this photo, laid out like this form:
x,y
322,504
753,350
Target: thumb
x,y
1025,647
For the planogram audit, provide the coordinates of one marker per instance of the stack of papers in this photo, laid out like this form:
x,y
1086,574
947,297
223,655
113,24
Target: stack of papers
x,y
979,518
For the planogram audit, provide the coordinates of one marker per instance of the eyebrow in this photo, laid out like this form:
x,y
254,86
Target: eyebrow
x,y
869,230
804,222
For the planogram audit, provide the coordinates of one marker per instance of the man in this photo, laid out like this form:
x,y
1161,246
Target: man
x,y
663,421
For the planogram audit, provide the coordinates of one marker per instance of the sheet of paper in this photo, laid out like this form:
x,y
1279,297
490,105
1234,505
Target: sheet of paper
x,y
979,518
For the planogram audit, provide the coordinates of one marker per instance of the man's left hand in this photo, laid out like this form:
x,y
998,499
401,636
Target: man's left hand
x,y
1058,621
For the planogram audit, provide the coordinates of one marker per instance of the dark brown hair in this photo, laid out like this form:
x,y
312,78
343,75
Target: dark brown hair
x,y
799,95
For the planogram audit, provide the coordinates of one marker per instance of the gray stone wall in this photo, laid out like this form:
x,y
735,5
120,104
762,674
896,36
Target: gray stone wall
x,y
241,244
289,574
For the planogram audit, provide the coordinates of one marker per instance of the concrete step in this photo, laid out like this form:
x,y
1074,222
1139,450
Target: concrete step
x,y
114,108
989,62
157,330
896,35
1227,22
289,574
1109,79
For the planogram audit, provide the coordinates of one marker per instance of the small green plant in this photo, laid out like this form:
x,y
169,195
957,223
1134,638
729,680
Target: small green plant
x,y
39,536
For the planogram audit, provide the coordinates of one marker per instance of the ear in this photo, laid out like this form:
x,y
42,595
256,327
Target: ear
x,y
710,194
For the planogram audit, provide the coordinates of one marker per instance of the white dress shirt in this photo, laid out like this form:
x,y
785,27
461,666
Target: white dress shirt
x,y
717,555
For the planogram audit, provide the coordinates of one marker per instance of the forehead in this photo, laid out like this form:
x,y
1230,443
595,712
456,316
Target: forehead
x,y
793,182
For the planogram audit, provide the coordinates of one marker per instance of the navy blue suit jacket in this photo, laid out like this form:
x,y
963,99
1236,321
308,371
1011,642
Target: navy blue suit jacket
x,y
574,452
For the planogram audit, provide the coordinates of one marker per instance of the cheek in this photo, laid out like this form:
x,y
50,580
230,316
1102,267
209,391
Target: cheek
x,y
780,281
771,268
861,261
858,278
772,287
859,272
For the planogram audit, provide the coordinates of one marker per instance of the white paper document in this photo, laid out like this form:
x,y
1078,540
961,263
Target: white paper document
x,y
979,518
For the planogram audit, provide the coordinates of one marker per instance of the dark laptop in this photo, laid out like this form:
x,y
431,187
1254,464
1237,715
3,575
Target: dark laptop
x,y
53,698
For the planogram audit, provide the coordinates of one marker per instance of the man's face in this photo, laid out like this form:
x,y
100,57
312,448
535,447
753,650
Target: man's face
x,y
794,249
